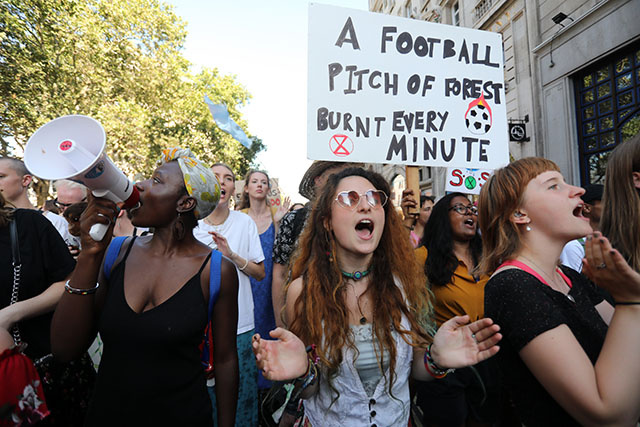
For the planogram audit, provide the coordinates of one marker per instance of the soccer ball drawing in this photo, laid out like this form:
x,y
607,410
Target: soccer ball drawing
x,y
478,117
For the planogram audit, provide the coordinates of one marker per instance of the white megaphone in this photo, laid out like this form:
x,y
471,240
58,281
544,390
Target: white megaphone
x,y
72,147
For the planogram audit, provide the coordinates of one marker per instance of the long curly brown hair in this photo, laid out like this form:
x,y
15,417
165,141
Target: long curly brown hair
x,y
321,316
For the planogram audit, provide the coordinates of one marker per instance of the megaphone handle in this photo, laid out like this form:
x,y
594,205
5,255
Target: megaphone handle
x,y
98,231
106,194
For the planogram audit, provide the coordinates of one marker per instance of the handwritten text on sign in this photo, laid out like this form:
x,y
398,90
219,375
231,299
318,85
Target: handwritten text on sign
x,y
468,181
384,89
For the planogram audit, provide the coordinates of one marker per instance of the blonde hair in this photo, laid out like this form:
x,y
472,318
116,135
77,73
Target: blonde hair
x,y
500,197
69,184
620,220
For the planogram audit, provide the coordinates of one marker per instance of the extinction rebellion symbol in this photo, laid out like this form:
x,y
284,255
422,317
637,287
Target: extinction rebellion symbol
x,y
470,182
341,145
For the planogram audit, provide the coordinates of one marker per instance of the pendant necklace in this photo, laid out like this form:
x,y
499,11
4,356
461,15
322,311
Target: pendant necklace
x,y
357,275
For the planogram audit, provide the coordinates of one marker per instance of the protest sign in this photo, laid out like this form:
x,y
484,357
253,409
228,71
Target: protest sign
x,y
384,89
468,181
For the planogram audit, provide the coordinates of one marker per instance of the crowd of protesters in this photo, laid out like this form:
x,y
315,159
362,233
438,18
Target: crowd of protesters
x,y
517,308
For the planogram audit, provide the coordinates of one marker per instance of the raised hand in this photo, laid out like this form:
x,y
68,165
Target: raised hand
x,y
608,269
283,359
222,244
408,203
282,209
459,343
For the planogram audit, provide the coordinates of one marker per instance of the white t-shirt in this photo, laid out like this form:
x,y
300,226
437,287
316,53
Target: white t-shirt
x,y
62,226
572,255
241,233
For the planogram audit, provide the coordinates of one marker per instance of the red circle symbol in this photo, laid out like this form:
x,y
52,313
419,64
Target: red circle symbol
x,y
66,145
341,145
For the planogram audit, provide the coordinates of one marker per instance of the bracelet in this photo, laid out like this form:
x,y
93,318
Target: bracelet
x,y
78,291
427,366
246,262
627,302
432,368
312,367
310,377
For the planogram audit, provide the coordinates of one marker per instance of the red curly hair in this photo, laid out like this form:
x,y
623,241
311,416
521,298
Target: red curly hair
x,y
321,316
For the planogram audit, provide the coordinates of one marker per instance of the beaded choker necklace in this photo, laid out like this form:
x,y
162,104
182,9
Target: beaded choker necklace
x,y
356,275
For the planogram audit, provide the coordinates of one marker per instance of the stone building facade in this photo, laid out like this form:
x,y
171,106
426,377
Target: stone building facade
x,y
572,73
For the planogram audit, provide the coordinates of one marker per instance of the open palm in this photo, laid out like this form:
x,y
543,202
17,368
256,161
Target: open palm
x,y
282,359
458,343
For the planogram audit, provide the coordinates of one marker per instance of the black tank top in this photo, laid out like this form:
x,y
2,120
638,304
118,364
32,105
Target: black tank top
x,y
150,373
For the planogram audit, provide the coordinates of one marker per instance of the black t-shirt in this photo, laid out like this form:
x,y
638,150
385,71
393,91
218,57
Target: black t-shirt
x,y
45,260
524,308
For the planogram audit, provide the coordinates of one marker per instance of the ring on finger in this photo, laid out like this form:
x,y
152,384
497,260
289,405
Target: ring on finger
x,y
601,266
474,338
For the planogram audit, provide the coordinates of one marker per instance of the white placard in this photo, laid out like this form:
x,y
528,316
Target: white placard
x,y
384,89
468,181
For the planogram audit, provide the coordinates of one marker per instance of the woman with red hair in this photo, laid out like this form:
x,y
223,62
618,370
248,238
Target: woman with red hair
x,y
359,301
562,364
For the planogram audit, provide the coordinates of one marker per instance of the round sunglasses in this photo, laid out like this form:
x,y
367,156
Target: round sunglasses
x,y
351,199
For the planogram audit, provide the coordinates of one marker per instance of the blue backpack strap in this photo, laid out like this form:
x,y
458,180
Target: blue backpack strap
x,y
214,279
112,254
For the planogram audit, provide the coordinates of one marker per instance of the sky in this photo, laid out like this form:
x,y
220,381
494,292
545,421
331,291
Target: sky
x,y
264,44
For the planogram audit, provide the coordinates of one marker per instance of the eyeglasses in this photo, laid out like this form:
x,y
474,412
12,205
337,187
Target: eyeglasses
x,y
351,199
464,210
64,205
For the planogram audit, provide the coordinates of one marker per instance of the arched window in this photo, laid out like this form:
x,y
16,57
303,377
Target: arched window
x,y
398,184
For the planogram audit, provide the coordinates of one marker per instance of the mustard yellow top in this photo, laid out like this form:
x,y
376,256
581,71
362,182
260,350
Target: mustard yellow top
x,y
463,295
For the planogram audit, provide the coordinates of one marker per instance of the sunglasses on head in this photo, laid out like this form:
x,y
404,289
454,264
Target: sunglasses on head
x,y
351,199
464,210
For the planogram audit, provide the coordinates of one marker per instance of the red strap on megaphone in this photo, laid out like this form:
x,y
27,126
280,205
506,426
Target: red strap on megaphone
x,y
133,199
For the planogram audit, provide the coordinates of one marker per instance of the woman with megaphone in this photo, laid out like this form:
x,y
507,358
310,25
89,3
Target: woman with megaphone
x,y
150,298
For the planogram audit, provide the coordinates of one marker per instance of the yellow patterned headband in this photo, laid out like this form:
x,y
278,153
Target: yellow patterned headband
x,y
200,182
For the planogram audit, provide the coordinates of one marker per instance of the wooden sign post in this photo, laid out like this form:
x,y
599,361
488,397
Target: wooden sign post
x,y
413,183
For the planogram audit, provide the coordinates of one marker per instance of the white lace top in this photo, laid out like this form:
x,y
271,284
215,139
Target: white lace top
x,y
367,363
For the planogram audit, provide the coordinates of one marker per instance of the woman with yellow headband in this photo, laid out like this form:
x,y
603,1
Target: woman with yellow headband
x,y
151,303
